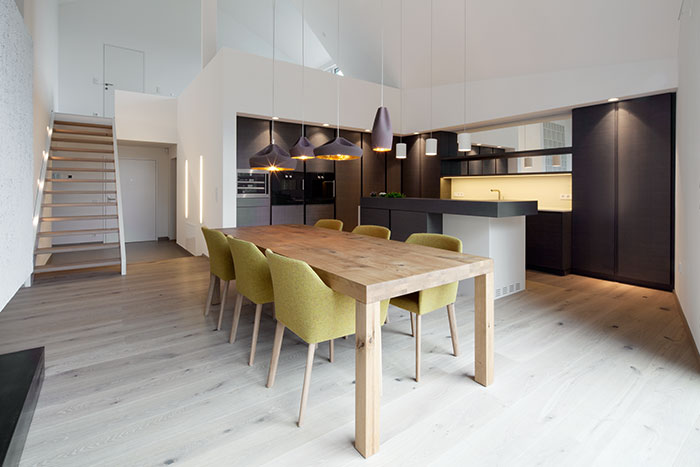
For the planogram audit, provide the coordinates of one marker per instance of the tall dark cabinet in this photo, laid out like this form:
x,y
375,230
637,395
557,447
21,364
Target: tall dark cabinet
x,y
623,191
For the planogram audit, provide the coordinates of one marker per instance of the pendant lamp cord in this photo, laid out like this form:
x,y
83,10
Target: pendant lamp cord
x,y
337,77
431,68
401,58
381,15
274,19
303,64
465,65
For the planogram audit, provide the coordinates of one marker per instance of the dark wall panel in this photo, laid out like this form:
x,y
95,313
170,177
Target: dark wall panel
x,y
593,190
373,167
286,134
393,170
251,136
347,185
645,189
430,174
410,174
318,137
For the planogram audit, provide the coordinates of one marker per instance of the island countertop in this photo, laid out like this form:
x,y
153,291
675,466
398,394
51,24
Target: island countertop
x,y
486,208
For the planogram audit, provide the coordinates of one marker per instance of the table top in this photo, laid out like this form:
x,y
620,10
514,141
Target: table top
x,y
366,268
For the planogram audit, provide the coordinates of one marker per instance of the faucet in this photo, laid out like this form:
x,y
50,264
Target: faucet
x,y
494,190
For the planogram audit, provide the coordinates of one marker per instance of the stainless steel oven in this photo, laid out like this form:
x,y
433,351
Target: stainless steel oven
x,y
253,184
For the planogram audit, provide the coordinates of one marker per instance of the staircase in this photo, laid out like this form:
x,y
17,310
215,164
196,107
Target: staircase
x,y
78,221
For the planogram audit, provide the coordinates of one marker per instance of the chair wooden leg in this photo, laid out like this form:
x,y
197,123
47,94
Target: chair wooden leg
x,y
236,318
386,321
276,348
256,328
453,328
417,347
217,292
223,304
210,294
413,324
307,382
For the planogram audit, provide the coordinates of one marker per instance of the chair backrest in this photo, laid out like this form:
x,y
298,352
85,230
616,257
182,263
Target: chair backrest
x,y
333,224
305,304
437,297
252,271
373,231
220,260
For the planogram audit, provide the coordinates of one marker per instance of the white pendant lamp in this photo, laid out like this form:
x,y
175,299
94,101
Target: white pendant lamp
x,y
464,140
382,133
401,149
431,143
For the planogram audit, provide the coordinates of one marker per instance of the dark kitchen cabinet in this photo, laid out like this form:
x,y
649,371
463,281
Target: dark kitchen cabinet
x,y
548,241
252,135
318,136
410,173
373,168
623,191
347,185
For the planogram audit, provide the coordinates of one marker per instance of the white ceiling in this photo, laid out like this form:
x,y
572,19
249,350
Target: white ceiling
x,y
505,37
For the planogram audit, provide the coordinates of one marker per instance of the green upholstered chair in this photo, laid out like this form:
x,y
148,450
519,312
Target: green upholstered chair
x,y
220,267
425,301
333,224
373,231
311,310
254,283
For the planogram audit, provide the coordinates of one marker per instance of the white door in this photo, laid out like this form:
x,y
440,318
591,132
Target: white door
x,y
124,70
138,185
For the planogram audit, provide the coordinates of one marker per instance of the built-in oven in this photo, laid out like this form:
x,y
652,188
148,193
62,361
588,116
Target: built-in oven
x,y
319,188
253,203
253,184
287,188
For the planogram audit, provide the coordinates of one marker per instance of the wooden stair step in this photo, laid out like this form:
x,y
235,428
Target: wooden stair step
x,y
76,247
63,139
78,218
80,192
77,265
78,180
82,124
78,169
83,132
77,205
68,233
81,159
73,149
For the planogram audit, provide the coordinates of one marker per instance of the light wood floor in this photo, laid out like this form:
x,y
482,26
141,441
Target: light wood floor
x,y
587,373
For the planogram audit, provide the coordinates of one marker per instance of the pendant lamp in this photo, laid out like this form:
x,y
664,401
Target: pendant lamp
x,y
340,149
556,161
272,157
382,134
302,149
431,143
464,140
401,147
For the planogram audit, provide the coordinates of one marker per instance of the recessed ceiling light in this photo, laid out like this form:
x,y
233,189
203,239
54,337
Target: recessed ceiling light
x,y
613,99
499,147
326,124
478,144
367,130
275,118
415,132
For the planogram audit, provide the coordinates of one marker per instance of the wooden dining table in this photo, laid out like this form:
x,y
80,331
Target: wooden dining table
x,y
369,270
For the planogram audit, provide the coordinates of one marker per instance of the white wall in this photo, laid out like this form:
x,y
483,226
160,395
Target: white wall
x,y
16,163
688,169
145,117
199,122
168,32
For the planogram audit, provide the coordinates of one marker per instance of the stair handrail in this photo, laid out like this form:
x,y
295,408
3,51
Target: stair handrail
x,y
120,216
41,181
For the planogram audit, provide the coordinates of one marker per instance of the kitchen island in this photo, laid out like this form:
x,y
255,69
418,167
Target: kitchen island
x,y
495,229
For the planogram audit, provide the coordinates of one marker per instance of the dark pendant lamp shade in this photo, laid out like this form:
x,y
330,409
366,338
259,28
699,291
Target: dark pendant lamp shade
x,y
302,149
382,135
339,149
272,158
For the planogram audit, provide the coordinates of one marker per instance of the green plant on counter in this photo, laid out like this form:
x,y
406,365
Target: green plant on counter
x,y
394,194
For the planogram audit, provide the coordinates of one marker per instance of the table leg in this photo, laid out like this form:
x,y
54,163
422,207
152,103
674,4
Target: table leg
x,y
483,329
367,377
